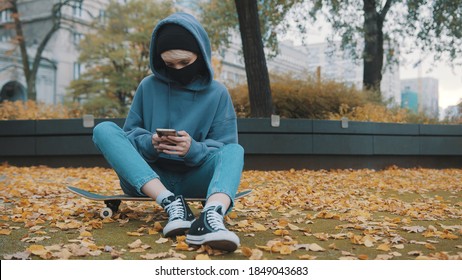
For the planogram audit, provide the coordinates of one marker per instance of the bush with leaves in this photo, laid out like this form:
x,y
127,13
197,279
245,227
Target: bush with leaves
x,y
380,113
312,99
31,110
296,98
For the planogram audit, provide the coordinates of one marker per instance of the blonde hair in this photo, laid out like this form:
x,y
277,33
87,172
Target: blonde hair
x,y
177,55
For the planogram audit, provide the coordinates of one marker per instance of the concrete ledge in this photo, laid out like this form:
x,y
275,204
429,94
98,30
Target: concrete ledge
x,y
296,143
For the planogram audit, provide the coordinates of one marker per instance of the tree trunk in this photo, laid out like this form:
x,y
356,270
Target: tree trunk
x,y
31,92
373,47
254,57
30,73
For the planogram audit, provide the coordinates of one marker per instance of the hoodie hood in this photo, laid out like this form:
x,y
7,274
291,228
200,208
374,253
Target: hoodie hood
x,y
191,24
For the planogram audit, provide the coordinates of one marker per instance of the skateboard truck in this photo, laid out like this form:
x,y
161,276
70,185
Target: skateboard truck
x,y
112,206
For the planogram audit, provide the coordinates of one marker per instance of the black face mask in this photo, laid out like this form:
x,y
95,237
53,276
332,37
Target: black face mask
x,y
186,74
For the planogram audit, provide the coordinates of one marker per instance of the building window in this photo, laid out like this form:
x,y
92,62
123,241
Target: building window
x,y
102,16
77,9
5,16
5,37
77,70
77,37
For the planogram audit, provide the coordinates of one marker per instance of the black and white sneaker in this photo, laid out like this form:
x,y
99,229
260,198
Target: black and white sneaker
x,y
180,216
209,230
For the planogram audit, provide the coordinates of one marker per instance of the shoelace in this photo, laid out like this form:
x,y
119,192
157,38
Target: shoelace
x,y
215,220
175,210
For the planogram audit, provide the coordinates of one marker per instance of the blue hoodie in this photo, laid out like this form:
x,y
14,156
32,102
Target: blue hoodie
x,y
202,108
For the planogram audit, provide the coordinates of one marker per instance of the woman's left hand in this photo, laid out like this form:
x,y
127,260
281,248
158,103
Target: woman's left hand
x,y
179,144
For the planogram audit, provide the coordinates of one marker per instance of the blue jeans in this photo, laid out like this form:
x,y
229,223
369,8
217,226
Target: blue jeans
x,y
220,173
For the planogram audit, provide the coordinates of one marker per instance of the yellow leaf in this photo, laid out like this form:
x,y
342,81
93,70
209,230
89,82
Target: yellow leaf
x,y
182,246
321,236
85,234
333,246
158,227
134,233
280,232
307,257
315,248
363,257
202,257
74,224
137,250
285,250
293,227
232,215
5,232
256,255
243,223
37,250
383,257
283,222
258,227
135,244
383,247
62,254
448,235
152,231
162,240
246,251
368,241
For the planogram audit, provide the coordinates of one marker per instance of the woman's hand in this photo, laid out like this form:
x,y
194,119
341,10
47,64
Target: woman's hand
x,y
172,145
156,142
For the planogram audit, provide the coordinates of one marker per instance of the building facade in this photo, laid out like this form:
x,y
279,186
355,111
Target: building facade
x,y
410,100
59,65
427,94
290,59
339,65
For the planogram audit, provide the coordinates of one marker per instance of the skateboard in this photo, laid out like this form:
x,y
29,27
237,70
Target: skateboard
x,y
113,201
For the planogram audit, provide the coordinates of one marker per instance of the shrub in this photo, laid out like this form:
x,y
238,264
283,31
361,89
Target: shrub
x,y
295,98
31,110
380,113
372,113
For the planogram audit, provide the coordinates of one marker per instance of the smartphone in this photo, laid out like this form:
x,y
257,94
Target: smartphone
x,y
166,132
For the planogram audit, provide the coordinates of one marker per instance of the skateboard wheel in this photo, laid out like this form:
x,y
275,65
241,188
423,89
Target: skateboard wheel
x,y
113,204
106,212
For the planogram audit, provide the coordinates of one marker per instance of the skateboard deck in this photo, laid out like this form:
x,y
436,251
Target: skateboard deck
x,y
113,201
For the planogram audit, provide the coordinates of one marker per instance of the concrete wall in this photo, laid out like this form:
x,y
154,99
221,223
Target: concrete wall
x,y
296,143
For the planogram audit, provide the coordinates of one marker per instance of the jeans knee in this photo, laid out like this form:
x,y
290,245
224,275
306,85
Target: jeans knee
x,y
103,131
235,149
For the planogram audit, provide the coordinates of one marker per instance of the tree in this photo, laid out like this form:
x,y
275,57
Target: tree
x,y
116,54
431,26
258,23
254,56
31,69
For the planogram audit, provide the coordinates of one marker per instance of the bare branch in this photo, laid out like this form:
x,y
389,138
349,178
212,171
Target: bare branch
x,y
385,9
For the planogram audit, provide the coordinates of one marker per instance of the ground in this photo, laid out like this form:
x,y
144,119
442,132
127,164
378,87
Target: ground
x,y
295,214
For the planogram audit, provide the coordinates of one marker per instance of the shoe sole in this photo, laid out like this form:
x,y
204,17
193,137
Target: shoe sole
x,y
223,245
176,228
176,232
215,242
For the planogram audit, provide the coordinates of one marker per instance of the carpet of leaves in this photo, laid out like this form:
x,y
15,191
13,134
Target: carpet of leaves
x,y
294,214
